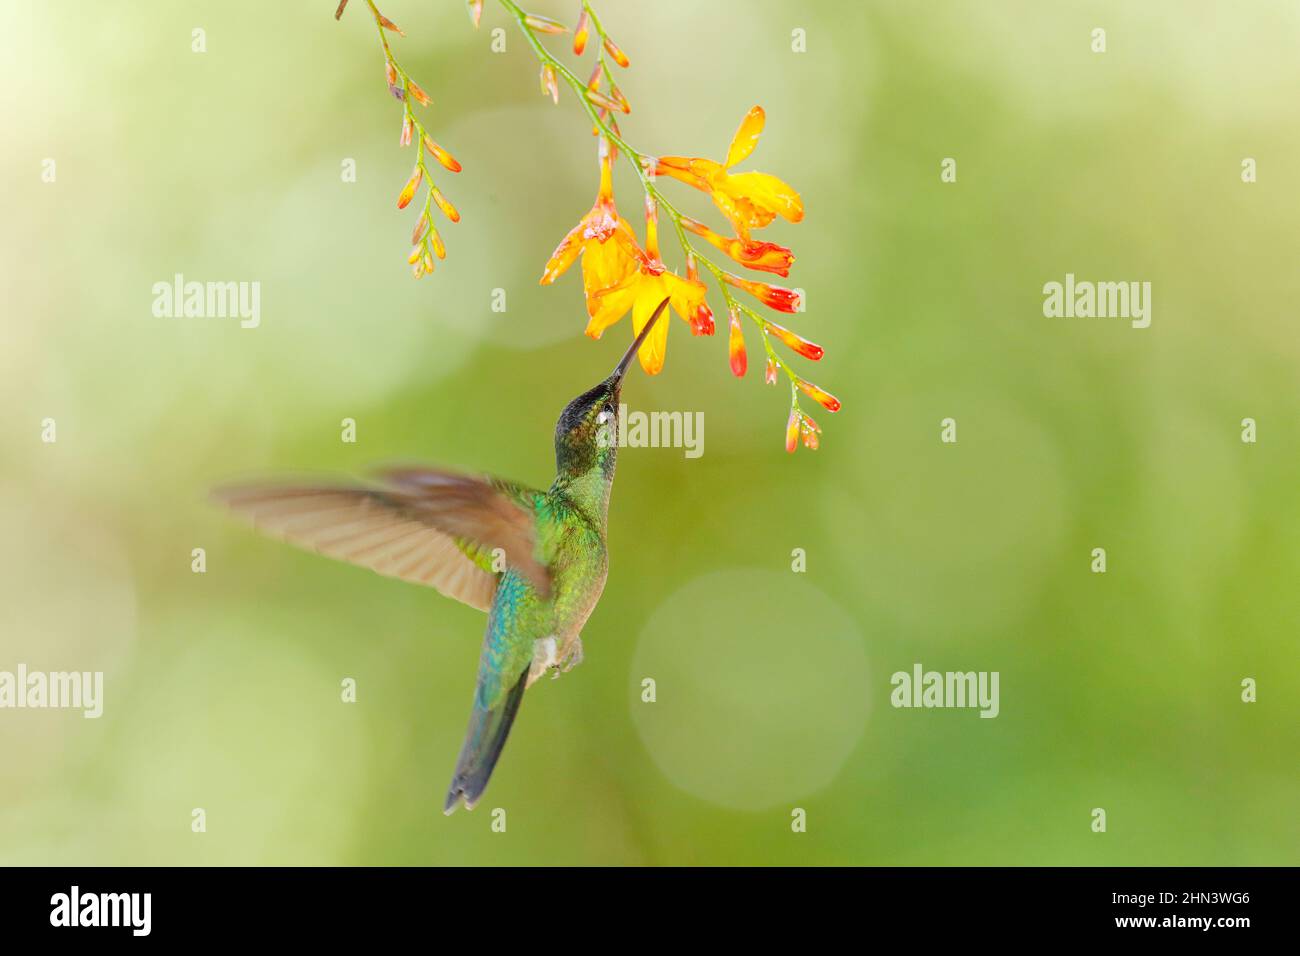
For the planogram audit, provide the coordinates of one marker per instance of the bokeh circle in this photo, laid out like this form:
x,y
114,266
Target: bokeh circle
x,y
761,687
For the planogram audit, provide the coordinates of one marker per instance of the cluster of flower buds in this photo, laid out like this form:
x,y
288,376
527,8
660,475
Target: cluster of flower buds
x,y
425,240
801,427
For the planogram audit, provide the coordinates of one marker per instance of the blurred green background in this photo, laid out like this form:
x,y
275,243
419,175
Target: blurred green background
x,y
1119,691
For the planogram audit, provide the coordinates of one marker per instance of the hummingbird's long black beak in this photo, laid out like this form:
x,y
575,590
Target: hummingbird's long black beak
x,y
621,369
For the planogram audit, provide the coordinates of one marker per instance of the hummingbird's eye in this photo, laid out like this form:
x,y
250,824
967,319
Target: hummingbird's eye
x,y
605,415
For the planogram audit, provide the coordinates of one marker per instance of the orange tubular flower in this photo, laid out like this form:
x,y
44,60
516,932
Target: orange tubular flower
x,y
792,431
736,347
649,283
797,343
580,33
763,256
702,318
604,263
819,395
772,296
748,200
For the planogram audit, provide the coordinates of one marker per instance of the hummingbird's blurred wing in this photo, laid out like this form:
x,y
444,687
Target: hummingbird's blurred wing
x,y
429,527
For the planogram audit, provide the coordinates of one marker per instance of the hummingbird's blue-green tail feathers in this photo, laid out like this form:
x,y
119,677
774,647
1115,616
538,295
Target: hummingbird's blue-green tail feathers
x,y
488,729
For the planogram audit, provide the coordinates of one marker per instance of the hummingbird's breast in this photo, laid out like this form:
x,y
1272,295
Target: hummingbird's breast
x,y
578,583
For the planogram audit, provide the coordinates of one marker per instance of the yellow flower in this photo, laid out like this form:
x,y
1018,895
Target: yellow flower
x,y
604,263
748,200
642,291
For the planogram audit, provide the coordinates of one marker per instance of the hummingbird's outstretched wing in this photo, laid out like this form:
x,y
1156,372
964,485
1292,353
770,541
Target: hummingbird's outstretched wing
x,y
425,526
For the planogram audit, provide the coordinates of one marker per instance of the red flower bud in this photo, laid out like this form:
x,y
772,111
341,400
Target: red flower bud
x,y
822,397
580,34
613,49
447,208
736,347
441,155
801,345
773,296
409,189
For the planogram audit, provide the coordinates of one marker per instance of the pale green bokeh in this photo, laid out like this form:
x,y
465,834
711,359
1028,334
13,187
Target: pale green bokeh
x,y
222,690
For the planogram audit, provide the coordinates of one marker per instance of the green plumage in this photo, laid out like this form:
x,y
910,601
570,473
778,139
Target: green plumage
x,y
569,521
534,560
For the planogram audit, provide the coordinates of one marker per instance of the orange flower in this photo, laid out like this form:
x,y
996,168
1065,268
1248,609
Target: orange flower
x,y
773,296
801,427
580,33
764,256
748,200
736,347
408,191
642,291
604,263
702,318
441,155
819,395
649,283
809,350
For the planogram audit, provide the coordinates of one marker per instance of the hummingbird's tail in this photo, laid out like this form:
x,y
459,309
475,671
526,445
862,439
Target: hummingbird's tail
x,y
488,729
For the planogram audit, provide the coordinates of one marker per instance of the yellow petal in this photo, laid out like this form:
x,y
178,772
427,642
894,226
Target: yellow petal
x,y
765,191
607,306
746,138
604,265
651,292
686,295
563,255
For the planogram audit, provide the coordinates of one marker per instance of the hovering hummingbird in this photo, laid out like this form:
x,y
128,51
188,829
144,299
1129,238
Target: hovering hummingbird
x,y
536,561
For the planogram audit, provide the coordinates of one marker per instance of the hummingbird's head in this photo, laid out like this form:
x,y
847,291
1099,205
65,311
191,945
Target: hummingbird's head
x,y
587,432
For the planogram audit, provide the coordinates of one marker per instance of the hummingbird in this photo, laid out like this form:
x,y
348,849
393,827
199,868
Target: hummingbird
x,y
535,561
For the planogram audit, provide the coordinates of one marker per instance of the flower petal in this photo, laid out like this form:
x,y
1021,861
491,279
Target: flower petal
x,y
605,265
746,138
764,191
655,346
568,249
693,172
607,306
